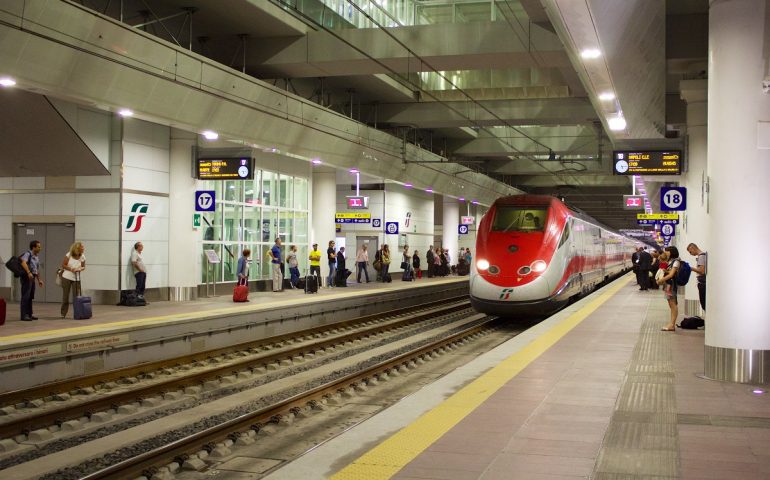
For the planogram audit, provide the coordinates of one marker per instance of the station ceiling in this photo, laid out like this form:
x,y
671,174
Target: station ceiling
x,y
499,87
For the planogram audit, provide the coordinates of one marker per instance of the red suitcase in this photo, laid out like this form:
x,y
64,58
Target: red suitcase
x,y
241,293
2,311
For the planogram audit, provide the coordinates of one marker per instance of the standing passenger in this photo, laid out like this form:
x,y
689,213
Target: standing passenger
x,y
74,262
429,261
385,259
342,274
362,260
243,267
701,258
643,272
670,286
140,272
30,264
416,264
291,259
315,262
331,256
275,263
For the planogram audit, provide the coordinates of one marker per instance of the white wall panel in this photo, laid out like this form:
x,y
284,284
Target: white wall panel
x,y
97,203
101,252
6,277
145,157
94,129
6,183
29,183
59,204
146,133
6,228
6,204
93,227
146,180
99,277
28,204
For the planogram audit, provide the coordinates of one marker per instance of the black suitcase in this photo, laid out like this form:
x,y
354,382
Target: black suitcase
x,y
407,276
311,284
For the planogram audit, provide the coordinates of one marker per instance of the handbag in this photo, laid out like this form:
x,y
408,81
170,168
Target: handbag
x,y
14,265
404,265
58,276
377,265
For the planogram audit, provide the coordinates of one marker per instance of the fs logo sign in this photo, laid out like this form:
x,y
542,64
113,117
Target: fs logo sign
x,y
505,293
138,212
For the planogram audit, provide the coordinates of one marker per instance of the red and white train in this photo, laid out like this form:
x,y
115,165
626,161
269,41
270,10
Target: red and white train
x,y
533,254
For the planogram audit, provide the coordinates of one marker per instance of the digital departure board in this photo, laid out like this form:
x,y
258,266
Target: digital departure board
x,y
355,202
650,162
225,168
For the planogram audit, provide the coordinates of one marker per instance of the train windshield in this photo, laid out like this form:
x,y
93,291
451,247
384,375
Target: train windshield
x,y
510,218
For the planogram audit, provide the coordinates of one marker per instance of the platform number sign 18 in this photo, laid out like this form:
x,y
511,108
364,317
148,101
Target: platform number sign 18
x,y
673,198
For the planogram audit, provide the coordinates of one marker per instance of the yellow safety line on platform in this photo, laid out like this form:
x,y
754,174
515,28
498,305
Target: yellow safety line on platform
x,y
386,459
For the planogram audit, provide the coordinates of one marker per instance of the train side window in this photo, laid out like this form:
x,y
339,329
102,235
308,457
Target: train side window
x,y
565,234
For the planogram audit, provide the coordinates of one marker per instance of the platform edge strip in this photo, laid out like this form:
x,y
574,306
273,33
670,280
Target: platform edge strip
x,y
390,456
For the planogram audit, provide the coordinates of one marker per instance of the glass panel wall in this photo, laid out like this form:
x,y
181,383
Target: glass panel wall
x,y
251,214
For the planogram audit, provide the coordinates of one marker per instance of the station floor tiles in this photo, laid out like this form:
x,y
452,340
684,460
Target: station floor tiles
x,y
50,321
597,391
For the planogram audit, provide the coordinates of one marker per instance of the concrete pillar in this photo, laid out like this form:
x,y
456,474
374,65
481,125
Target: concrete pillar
x,y
324,206
184,254
450,221
738,332
694,228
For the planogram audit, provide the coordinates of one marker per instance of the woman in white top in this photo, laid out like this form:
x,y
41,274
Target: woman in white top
x,y
74,262
362,259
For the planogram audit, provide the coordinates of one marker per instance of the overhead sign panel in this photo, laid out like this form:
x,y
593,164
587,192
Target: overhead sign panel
x,y
358,202
225,169
647,162
633,202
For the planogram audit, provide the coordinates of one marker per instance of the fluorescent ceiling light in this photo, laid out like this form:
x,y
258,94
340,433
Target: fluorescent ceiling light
x,y
124,112
354,170
316,161
617,123
408,185
209,135
591,53
606,96
7,82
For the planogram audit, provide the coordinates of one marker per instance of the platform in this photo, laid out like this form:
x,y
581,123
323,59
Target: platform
x,y
119,336
596,391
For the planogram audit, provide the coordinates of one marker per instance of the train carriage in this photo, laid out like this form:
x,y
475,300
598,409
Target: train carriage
x,y
533,253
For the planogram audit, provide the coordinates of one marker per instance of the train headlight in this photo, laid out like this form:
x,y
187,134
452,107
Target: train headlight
x,y
538,266
482,264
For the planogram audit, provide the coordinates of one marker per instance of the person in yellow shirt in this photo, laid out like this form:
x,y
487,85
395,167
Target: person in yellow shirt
x,y
315,261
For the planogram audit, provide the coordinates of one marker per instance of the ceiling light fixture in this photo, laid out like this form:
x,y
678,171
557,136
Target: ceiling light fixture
x,y
125,112
606,96
429,190
617,123
408,185
7,82
316,161
591,53
210,135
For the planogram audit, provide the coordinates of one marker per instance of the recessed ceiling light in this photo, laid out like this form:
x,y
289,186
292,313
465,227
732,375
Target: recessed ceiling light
x,y
617,123
475,202
7,82
124,112
408,185
354,170
606,96
462,199
316,161
591,53
429,190
209,135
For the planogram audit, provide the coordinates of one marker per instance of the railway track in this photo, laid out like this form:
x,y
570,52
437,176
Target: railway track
x,y
210,366
270,369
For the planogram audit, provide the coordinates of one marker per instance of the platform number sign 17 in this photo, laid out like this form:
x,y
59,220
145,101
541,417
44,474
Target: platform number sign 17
x,y
673,198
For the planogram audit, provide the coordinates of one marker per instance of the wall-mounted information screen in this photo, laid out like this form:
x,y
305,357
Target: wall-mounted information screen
x,y
225,169
649,162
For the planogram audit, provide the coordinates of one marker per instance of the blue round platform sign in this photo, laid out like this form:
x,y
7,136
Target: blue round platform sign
x,y
391,228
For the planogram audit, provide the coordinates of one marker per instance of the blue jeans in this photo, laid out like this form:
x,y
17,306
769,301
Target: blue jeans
x,y
362,266
294,272
332,271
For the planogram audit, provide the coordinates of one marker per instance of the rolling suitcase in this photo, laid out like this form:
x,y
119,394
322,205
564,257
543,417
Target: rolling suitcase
x,y
81,305
241,293
311,284
3,307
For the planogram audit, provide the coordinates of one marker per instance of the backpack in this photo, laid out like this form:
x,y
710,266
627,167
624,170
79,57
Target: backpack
x,y
683,273
692,323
